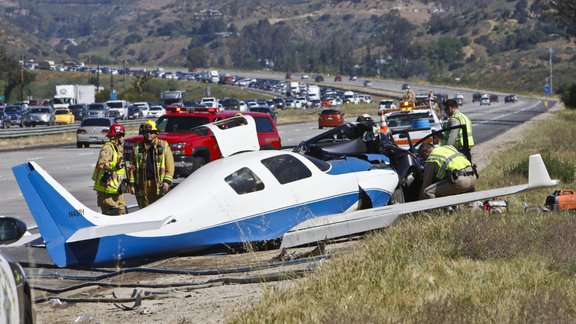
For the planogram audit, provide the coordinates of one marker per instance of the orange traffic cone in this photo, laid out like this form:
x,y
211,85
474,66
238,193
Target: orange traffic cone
x,y
383,125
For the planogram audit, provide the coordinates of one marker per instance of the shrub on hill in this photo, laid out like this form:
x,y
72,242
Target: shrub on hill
x,y
569,97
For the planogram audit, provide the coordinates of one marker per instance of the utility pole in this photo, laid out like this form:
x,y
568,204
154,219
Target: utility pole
x,y
98,78
551,51
22,82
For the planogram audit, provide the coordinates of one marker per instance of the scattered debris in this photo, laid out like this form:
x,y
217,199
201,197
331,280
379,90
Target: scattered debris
x,y
83,318
495,206
137,302
57,303
564,199
285,256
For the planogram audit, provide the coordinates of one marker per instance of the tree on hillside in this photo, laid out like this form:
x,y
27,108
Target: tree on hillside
x,y
13,77
566,11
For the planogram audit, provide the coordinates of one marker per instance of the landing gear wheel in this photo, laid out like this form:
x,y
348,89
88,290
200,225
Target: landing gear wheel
x,y
198,162
397,196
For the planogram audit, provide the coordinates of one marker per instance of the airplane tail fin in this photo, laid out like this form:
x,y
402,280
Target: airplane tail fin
x,y
538,174
57,213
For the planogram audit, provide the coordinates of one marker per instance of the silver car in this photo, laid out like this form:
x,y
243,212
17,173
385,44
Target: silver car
x,y
39,116
93,130
98,110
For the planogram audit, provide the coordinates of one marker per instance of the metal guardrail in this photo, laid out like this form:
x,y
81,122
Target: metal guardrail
x,y
16,132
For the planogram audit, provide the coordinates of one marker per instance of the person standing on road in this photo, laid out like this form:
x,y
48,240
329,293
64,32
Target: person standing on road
x,y
409,96
151,167
109,173
446,171
456,136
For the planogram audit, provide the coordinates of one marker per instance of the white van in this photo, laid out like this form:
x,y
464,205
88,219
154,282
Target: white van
x,y
121,106
350,97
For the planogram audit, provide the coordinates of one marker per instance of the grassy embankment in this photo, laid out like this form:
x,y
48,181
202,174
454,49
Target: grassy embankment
x,y
471,267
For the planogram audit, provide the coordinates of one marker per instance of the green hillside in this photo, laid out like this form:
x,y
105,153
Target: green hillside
x,y
499,44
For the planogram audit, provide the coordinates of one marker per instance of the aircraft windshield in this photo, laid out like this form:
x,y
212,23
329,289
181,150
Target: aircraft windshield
x,y
244,181
286,168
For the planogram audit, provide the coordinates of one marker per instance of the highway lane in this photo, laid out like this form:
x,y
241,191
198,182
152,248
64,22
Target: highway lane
x,y
73,167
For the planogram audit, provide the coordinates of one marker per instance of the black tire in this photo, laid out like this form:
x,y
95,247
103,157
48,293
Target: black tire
x,y
198,162
86,145
78,145
320,127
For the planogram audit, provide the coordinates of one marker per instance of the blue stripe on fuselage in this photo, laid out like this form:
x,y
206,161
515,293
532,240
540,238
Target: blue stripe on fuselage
x,y
260,227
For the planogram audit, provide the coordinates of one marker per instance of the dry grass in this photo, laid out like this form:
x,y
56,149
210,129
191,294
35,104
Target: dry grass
x,y
471,267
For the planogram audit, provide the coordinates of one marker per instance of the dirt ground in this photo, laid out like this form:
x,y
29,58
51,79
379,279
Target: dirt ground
x,y
186,298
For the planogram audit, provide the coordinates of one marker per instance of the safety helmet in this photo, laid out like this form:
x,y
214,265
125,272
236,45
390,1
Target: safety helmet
x,y
150,125
364,118
116,130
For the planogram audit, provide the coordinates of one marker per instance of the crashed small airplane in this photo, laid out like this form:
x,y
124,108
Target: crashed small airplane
x,y
249,196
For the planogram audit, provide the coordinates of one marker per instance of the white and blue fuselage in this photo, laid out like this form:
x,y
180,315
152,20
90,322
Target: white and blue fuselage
x,y
247,197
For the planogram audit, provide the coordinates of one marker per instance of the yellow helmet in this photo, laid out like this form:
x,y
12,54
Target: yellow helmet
x,y
150,125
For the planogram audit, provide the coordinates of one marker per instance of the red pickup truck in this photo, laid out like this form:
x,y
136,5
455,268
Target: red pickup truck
x,y
194,146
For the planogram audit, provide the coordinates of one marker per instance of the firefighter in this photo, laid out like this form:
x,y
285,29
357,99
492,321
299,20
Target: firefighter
x,y
109,173
151,167
446,171
409,95
455,137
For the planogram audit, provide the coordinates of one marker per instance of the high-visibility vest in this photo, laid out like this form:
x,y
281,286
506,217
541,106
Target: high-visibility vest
x,y
140,157
109,181
448,158
463,120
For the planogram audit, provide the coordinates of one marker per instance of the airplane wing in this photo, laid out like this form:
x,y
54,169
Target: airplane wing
x,y
339,225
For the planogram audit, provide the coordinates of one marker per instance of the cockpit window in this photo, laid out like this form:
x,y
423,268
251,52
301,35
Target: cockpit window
x,y
286,168
244,181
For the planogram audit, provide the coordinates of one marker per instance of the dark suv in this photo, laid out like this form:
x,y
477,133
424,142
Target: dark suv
x,y
80,111
476,97
17,114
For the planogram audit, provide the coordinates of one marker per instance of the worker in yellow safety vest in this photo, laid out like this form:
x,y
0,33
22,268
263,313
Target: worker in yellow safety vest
x,y
456,137
446,171
109,173
151,167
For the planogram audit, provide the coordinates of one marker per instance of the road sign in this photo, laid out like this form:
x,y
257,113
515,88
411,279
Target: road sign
x,y
113,95
547,89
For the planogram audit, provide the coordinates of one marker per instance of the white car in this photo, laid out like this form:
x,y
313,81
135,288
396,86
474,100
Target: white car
x,y
243,106
156,111
485,100
144,107
210,102
417,122
386,105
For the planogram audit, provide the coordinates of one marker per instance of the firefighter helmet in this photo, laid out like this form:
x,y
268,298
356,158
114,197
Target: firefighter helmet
x,y
150,125
116,130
